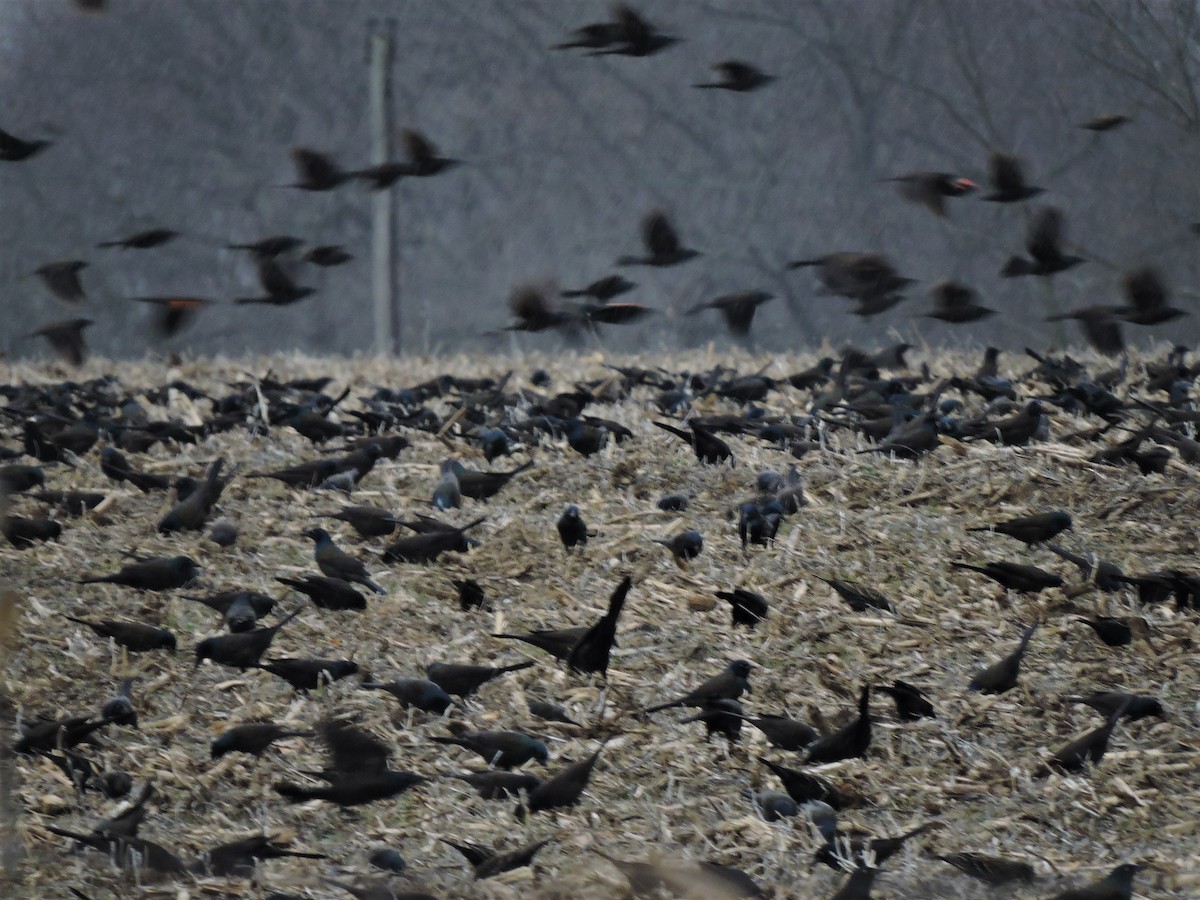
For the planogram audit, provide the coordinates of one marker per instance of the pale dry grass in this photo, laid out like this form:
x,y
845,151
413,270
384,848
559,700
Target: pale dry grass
x,y
659,790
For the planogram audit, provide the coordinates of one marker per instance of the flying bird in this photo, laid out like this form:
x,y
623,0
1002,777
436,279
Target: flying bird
x,y
930,189
1008,180
662,243
171,314
66,338
62,280
737,76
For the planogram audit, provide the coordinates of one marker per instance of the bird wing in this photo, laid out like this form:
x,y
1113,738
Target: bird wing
x,y
658,235
418,147
1045,235
1145,289
1004,172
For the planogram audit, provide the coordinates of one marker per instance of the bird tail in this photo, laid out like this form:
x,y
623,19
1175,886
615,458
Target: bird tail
x,y
296,794
958,565
373,586
516,667
803,263
678,432
660,707
453,741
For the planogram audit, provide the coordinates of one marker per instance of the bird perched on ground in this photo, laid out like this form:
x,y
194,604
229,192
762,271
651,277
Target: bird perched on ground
x,y
66,339
158,574
243,649
1075,755
327,593
487,862
1001,677
368,521
1044,245
309,674
119,708
737,76
563,789
193,511
848,742
136,637
337,563
1116,885
1112,630
571,527
727,685
1136,706
1015,576
1008,180
930,189
746,607
590,653
737,309
1032,530
912,703
462,680
357,772
662,243
994,870
62,280
708,447
253,738
418,693
501,749
684,547
143,240
859,597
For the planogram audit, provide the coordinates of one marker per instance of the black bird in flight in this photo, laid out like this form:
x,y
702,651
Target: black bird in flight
x,y
737,76
270,247
66,338
62,280
1044,245
357,772
663,247
328,255
317,171
1100,324
603,289
423,161
930,189
1147,296
955,303
737,309
1007,180
634,35
15,149
143,240
1105,122
281,289
171,314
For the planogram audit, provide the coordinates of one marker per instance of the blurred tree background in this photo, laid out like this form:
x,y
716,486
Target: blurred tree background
x,y
181,114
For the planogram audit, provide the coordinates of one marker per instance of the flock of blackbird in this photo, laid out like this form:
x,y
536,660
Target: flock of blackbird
x,y
127,441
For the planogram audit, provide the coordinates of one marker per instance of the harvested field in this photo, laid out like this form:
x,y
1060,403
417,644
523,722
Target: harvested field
x,y
659,791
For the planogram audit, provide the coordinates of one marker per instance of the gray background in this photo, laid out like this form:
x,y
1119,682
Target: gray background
x,y
180,113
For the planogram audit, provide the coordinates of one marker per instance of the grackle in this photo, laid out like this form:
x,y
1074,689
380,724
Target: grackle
x,y
337,563
253,738
462,680
242,650
1001,676
850,741
728,685
159,574
136,637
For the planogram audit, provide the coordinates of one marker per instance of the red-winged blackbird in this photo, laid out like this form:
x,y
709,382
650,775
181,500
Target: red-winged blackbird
x,y
663,247
281,289
173,313
737,76
930,189
67,339
1007,180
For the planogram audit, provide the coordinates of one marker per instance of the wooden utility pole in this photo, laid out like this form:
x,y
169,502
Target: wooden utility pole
x,y
384,274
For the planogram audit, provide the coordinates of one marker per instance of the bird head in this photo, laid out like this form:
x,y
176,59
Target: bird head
x,y
317,534
741,668
540,752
